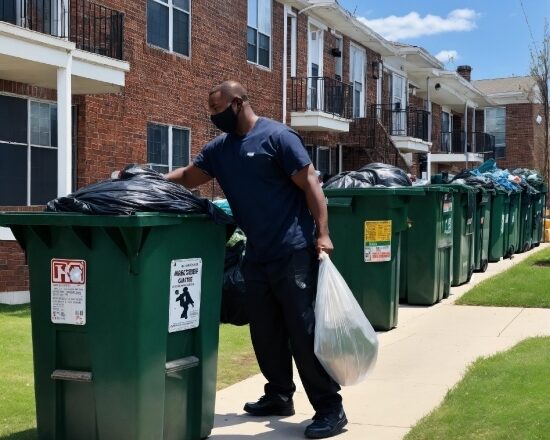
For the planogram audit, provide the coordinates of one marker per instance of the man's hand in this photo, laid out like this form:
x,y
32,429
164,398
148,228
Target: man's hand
x,y
189,176
324,244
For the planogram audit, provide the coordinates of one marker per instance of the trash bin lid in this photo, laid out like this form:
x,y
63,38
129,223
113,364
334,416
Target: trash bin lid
x,y
376,191
139,219
465,188
440,188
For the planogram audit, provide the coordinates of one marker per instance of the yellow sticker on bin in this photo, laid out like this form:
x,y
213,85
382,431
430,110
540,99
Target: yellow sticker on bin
x,y
377,240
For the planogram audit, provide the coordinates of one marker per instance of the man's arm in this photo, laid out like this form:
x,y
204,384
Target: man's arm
x,y
190,176
306,179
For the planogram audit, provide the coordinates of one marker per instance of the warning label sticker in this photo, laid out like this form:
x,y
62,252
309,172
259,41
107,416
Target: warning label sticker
x,y
447,203
377,241
185,294
68,291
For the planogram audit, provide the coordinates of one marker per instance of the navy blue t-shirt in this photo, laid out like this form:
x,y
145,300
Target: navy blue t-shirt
x,y
254,171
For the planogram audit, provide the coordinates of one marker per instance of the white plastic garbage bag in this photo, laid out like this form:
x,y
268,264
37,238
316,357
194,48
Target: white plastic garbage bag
x,y
345,342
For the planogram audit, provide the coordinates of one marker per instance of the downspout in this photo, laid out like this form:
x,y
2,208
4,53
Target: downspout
x,y
474,147
429,155
466,132
285,37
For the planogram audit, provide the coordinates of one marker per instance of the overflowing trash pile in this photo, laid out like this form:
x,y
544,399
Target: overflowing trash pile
x,y
372,175
489,176
233,310
138,189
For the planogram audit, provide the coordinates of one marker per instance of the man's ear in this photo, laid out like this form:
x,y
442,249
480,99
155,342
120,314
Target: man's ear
x,y
239,103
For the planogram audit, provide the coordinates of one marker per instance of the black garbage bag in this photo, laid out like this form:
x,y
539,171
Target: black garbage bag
x,y
387,175
351,179
233,310
463,175
138,189
481,181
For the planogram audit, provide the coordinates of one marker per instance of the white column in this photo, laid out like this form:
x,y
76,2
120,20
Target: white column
x,y
429,166
285,49
64,135
474,149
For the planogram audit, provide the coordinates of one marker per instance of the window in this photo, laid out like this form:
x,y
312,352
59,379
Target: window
x,y
357,79
495,124
28,151
326,160
292,35
168,24
338,65
167,147
323,161
258,35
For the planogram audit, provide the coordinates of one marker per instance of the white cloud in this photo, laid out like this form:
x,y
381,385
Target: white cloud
x,y
447,55
413,25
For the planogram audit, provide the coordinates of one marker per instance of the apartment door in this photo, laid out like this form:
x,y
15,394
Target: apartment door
x,y
399,105
446,132
315,68
357,78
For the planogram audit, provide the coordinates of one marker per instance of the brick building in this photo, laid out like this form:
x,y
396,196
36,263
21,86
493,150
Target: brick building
x,y
90,88
515,119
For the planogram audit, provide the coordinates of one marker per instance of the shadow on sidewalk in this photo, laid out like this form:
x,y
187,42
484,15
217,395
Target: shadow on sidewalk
x,y
29,434
278,428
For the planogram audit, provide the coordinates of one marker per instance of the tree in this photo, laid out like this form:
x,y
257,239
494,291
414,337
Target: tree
x,y
540,72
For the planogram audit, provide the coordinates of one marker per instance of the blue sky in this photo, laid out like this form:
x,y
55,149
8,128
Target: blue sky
x,y
490,35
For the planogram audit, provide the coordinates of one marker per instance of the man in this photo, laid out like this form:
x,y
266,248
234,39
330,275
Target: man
x,y
185,299
274,193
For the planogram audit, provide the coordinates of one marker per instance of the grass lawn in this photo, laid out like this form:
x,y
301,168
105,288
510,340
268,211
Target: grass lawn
x,y
236,359
524,285
17,414
502,397
16,373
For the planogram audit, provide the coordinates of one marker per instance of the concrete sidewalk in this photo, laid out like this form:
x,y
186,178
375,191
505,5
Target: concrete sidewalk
x,y
418,362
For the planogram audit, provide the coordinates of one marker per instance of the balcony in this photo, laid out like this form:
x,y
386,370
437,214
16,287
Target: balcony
x,y
71,46
39,37
320,104
408,127
478,147
92,27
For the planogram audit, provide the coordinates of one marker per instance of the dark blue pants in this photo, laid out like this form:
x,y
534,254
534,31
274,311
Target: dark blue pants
x,y
280,299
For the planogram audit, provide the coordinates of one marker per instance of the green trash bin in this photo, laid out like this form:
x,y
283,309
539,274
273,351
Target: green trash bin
x,y
511,236
498,233
120,351
539,203
464,213
482,229
366,227
525,241
426,260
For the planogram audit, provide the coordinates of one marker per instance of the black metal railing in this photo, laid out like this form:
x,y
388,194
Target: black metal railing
x,y
96,28
403,121
8,11
92,27
318,93
476,142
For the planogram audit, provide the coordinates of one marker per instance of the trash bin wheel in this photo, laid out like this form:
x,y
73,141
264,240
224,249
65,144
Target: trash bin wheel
x,y
484,266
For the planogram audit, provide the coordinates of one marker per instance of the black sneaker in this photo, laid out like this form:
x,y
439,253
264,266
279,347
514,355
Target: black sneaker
x,y
271,405
327,425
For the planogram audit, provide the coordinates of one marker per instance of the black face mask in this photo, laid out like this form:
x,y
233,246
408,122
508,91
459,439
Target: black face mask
x,y
226,121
